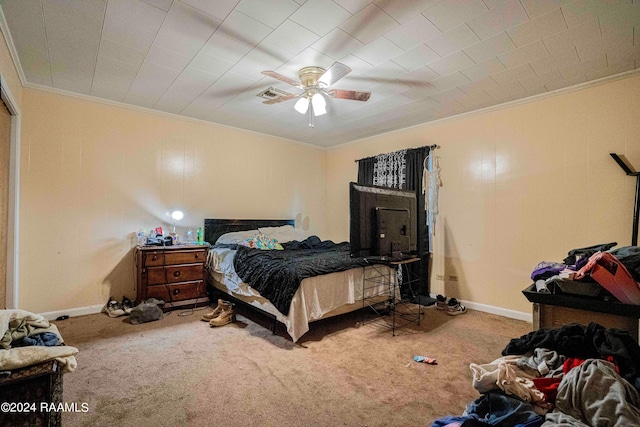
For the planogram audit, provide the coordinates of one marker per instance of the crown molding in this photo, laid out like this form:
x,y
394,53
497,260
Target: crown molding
x,y
514,103
147,110
4,29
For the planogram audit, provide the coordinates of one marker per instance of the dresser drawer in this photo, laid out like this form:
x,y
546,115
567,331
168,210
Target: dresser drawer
x,y
155,276
174,274
184,273
155,258
177,291
185,257
150,259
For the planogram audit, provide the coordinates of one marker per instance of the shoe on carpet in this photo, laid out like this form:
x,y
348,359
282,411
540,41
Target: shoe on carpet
x,y
441,302
114,308
226,316
454,308
216,311
127,305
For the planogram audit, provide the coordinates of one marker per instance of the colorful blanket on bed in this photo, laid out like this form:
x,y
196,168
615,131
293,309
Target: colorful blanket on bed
x,y
277,274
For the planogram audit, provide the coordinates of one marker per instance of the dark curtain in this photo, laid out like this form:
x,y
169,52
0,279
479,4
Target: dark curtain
x,y
414,166
365,170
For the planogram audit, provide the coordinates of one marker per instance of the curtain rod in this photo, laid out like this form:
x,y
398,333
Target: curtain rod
x,y
432,147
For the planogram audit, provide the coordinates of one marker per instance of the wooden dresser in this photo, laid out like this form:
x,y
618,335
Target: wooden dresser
x,y
174,274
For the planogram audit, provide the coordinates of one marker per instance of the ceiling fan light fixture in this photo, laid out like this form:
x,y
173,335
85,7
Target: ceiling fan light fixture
x,y
319,104
302,105
314,81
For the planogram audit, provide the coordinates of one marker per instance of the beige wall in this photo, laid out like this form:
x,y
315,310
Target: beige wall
x,y
93,173
520,185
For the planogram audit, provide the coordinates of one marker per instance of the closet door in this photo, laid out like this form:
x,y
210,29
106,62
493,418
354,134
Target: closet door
x,y
5,145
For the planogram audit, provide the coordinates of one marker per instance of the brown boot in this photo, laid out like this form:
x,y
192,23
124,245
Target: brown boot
x,y
225,317
216,311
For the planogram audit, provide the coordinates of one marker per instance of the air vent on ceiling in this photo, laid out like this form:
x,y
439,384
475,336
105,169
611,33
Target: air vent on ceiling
x,y
272,93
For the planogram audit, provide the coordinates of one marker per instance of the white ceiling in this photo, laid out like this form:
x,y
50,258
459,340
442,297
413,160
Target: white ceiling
x,y
421,59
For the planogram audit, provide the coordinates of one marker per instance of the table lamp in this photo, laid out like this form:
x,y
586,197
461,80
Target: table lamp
x,y
177,216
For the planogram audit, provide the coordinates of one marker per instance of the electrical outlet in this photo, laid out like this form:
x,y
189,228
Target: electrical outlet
x,y
453,277
439,276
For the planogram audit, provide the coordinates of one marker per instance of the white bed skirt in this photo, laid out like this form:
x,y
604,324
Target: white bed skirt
x,y
317,297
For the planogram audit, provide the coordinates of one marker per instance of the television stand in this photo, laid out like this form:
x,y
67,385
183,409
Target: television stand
x,y
383,293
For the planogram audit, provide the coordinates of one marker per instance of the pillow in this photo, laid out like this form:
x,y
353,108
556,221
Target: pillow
x,y
236,236
282,234
302,234
263,242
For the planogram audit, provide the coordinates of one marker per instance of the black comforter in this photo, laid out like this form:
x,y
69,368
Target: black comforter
x,y
277,274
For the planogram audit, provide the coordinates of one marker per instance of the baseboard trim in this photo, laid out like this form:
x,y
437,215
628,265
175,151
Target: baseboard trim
x,y
73,312
512,314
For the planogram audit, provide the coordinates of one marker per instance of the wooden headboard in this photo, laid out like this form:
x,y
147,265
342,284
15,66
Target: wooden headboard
x,y
214,228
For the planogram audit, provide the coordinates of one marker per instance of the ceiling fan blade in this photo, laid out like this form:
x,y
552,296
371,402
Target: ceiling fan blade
x,y
282,78
350,94
280,99
333,74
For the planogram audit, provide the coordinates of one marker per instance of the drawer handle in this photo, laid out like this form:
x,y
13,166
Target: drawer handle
x,y
154,257
176,291
176,274
197,256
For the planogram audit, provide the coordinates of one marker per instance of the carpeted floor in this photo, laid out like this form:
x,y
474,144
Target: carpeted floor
x,y
180,372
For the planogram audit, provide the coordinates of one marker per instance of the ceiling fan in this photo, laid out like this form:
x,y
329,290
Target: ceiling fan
x,y
315,82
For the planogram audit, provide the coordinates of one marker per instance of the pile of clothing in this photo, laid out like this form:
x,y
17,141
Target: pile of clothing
x,y
616,271
575,260
574,376
28,339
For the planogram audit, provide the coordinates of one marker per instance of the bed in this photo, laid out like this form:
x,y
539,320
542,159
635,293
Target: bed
x,y
575,375
317,297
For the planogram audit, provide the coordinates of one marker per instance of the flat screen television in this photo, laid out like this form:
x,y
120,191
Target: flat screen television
x,y
382,221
